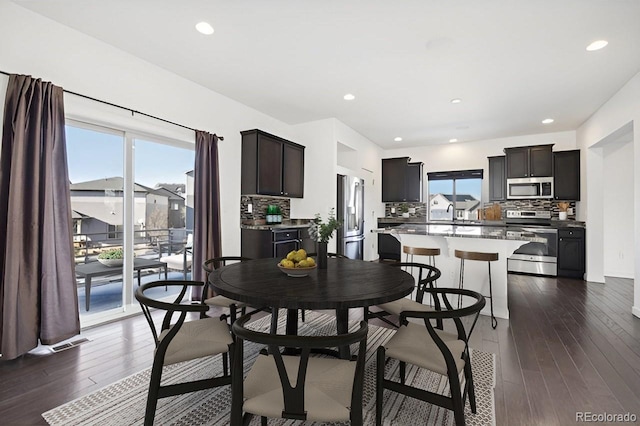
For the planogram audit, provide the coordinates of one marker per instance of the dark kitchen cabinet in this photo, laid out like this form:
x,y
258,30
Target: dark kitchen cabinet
x,y
413,182
271,165
265,243
529,161
566,175
401,180
571,252
497,178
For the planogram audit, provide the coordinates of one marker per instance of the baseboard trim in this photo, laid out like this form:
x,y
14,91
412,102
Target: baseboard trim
x,y
636,311
593,278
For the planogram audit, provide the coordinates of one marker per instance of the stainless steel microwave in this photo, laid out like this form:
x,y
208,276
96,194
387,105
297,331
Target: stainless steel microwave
x,y
526,188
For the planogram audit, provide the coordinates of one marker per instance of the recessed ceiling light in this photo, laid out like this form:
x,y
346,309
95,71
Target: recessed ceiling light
x,y
597,45
398,139
453,140
349,97
456,101
204,28
547,121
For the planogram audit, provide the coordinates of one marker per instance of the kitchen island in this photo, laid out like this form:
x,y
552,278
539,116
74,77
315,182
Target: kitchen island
x,y
448,238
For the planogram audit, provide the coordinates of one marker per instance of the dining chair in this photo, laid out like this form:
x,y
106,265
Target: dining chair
x,y
298,387
443,352
425,276
180,341
221,301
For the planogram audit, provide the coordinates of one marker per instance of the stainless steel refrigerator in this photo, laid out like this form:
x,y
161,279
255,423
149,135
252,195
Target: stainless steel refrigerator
x,y
350,212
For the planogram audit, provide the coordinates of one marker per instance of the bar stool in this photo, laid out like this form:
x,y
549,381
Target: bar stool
x,y
482,257
431,253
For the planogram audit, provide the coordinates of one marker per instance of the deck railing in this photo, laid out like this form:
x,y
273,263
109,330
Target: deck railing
x,y
87,246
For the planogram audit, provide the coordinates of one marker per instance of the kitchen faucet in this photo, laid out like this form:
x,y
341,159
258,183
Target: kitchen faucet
x,y
449,206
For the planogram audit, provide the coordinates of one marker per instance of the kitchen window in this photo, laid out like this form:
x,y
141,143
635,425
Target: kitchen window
x,y
454,195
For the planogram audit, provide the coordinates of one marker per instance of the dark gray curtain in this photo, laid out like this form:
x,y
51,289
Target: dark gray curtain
x,y
206,228
37,284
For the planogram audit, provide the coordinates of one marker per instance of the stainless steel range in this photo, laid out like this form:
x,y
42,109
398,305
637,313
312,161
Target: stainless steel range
x,y
537,257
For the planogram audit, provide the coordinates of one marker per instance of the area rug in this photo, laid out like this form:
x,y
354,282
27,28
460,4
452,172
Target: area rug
x,y
123,402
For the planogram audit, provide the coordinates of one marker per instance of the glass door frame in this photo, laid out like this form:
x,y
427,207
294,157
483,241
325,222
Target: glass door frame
x,y
129,304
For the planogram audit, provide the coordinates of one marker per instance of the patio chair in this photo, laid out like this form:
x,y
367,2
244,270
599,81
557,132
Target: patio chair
x,y
180,261
182,341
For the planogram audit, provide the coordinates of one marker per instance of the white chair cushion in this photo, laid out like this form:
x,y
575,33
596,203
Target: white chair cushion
x,y
401,305
197,339
413,344
177,261
223,302
328,388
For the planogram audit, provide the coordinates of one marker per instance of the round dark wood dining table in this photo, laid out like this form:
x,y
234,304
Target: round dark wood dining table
x,y
345,284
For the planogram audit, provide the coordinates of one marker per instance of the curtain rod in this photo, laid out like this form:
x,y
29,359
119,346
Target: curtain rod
x,y
133,111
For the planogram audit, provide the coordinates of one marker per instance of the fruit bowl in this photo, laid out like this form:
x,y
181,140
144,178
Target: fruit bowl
x,y
297,272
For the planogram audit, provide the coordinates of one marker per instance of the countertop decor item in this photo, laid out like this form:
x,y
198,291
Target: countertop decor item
x,y
111,257
321,233
563,207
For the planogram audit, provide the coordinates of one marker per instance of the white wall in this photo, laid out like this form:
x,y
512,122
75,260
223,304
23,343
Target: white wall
x,y
621,110
618,209
473,155
322,138
37,46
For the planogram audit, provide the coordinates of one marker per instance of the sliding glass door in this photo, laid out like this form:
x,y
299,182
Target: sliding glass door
x,y
96,181
163,211
132,206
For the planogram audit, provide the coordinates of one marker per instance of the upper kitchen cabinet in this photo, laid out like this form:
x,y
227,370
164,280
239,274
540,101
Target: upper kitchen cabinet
x,y
271,165
529,161
401,180
413,182
497,179
566,175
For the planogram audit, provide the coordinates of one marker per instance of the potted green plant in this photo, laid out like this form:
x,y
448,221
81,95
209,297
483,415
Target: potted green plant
x,y
321,233
404,209
111,257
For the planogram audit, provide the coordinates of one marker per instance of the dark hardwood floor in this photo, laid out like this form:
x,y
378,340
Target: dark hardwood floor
x,y
569,346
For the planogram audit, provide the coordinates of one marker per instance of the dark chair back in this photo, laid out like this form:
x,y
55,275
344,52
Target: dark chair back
x,y
211,265
425,276
293,396
170,308
445,311
185,346
451,352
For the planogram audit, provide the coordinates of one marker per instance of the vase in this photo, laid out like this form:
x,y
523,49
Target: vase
x,y
321,261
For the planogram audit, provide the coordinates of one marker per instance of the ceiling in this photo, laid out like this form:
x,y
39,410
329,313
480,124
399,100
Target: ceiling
x,y
512,63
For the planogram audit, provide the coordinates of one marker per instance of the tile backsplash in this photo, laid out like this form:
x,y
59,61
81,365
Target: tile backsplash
x,y
421,208
259,207
537,204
